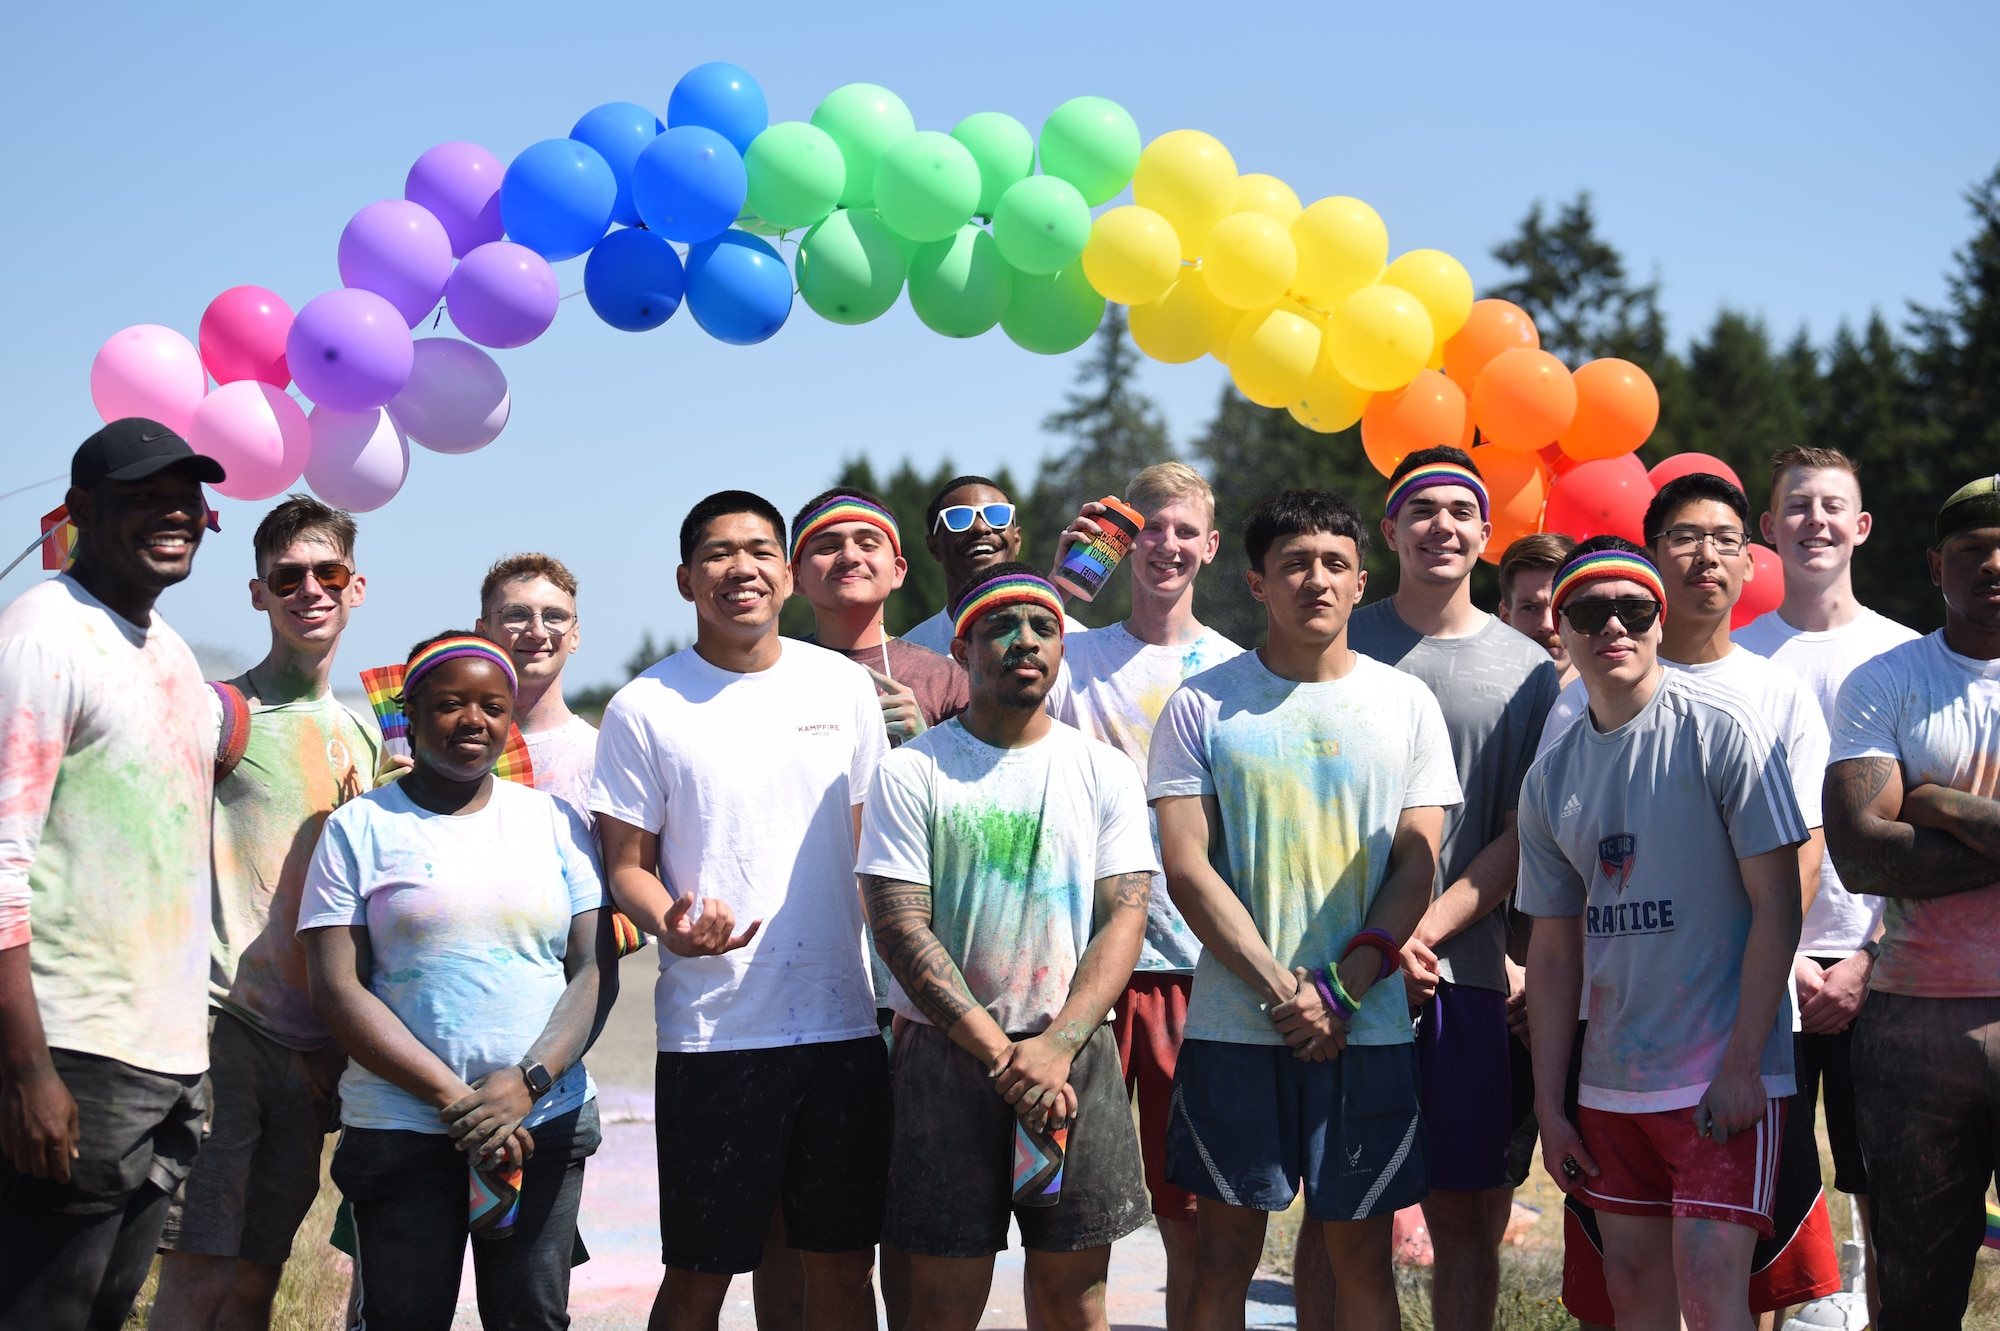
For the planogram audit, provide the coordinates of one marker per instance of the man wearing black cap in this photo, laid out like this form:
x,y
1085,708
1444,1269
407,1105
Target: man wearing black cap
x,y
108,739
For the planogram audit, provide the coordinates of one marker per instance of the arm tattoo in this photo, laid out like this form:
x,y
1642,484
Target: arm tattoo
x,y
1886,857
1131,891
900,914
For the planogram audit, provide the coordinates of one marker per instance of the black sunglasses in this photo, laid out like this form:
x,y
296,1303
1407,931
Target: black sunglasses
x,y
285,579
1636,613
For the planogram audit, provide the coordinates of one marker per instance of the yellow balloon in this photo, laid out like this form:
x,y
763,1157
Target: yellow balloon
x,y
1440,282
1329,403
1436,362
1182,325
1249,260
1380,337
1226,331
1272,355
1342,247
1189,178
1132,256
1258,193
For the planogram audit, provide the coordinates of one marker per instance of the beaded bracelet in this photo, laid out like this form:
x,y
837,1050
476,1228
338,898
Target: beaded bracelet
x,y
1334,994
1382,941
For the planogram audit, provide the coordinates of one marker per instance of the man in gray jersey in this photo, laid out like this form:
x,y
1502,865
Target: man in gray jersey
x,y
1659,845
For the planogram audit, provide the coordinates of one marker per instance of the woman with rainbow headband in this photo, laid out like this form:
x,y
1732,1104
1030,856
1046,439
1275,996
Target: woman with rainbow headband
x,y
458,949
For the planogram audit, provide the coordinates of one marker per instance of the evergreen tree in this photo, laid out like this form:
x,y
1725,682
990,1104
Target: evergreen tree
x,y
1734,399
1572,283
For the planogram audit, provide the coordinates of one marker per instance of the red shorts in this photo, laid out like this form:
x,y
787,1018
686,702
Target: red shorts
x,y
1657,1165
1147,1024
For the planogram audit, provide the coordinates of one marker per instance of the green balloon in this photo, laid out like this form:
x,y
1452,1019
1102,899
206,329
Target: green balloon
x,y
796,174
851,267
864,120
1041,225
1004,150
926,186
1092,143
1052,314
959,287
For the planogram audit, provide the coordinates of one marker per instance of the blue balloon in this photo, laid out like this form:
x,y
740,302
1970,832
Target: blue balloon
x,y
738,289
619,131
634,280
721,97
689,184
556,198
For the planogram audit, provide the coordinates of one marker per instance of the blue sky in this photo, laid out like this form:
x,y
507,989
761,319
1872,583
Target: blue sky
x,y
1802,162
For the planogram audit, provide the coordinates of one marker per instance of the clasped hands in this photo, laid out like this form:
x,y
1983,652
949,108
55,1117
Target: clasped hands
x,y
485,1122
1032,1075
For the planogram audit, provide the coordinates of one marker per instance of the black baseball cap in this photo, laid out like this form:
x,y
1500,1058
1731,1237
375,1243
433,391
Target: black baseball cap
x,y
133,448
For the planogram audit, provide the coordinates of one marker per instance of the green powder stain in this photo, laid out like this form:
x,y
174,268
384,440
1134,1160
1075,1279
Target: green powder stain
x,y
1006,843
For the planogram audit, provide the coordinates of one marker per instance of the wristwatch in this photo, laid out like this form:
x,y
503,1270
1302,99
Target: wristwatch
x,y
536,1076
1873,947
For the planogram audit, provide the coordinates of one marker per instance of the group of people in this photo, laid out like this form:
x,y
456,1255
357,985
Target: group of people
x,y
1366,912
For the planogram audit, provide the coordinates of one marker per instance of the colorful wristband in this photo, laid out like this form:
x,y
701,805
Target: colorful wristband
x,y
1334,994
1381,941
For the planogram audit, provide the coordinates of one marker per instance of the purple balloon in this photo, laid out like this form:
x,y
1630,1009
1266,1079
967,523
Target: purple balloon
x,y
349,350
459,183
502,295
400,252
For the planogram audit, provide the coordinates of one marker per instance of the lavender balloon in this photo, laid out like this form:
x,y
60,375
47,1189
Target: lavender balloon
x,y
501,295
349,350
359,459
399,251
456,400
459,184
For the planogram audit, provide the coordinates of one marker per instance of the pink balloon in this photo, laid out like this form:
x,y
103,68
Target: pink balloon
x,y
243,336
148,371
456,400
397,250
1686,464
257,433
502,295
359,459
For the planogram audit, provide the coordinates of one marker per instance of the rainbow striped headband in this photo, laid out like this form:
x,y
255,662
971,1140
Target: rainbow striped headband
x,y
845,508
1438,473
1602,564
452,649
1008,589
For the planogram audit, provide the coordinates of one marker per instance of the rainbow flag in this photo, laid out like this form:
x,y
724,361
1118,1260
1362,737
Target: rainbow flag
x,y
1992,1239
58,539
384,686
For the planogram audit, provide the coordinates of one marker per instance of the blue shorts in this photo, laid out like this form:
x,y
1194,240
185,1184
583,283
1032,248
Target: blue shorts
x,y
1249,1121
1468,1087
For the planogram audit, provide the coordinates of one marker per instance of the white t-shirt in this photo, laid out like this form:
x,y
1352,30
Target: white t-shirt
x,y
1839,921
563,760
1011,843
750,781
935,632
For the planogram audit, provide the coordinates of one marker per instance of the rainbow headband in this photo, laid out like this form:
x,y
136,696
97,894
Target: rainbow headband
x,y
1602,564
845,508
1011,589
1438,473
455,648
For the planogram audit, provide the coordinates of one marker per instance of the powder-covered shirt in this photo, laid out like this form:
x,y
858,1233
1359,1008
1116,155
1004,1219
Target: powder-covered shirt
x,y
935,633
1311,780
1495,687
750,781
1839,921
564,760
303,760
1113,688
468,919
107,761
1938,714
1639,830
1011,843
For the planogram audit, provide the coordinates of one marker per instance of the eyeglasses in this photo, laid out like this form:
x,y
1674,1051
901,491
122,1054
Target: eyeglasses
x,y
1636,613
285,579
555,621
1686,540
959,516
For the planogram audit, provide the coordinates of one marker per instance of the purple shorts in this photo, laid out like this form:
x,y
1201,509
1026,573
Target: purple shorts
x,y
1466,1081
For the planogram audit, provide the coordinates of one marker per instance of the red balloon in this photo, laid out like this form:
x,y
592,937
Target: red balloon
x,y
1605,497
1764,592
1686,464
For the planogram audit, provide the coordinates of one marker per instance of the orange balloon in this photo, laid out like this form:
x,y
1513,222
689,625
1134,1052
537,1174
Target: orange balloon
x,y
1523,399
1494,326
1428,412
1517,484
1616,410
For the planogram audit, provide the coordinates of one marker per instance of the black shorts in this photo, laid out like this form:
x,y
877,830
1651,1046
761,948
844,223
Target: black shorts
x,y
1526,1136
741,1131
1822,1061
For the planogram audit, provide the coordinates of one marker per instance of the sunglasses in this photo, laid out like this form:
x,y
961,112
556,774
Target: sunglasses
x,y
288,578
1636,613
959,516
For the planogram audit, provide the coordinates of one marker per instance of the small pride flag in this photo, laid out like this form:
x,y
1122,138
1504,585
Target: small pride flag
x,y
58,539
384,685
1992,1239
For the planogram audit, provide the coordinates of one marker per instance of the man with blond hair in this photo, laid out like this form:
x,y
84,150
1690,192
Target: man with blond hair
x,y
527,605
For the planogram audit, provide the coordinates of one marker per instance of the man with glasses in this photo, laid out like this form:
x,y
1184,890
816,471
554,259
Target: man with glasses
x,y
273,1066
1659,855
969,527
527,604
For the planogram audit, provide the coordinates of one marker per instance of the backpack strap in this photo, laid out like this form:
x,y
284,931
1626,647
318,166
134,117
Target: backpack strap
x,y
234,735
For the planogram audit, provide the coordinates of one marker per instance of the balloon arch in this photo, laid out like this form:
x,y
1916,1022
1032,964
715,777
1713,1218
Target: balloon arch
x,y
1301,302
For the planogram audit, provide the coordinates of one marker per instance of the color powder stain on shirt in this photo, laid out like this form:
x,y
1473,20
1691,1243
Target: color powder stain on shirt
x,y
1005,843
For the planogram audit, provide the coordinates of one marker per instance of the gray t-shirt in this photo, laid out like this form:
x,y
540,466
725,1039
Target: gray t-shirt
x,y
1495,687
1639,831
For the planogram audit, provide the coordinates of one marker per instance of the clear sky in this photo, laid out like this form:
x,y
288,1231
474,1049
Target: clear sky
x,y
1804,162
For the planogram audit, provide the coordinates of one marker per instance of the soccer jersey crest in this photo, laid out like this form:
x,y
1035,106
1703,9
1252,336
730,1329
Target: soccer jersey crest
x,y
1616,854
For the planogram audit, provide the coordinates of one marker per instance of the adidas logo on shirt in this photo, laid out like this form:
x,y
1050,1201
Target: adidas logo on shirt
x,y
1573,808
